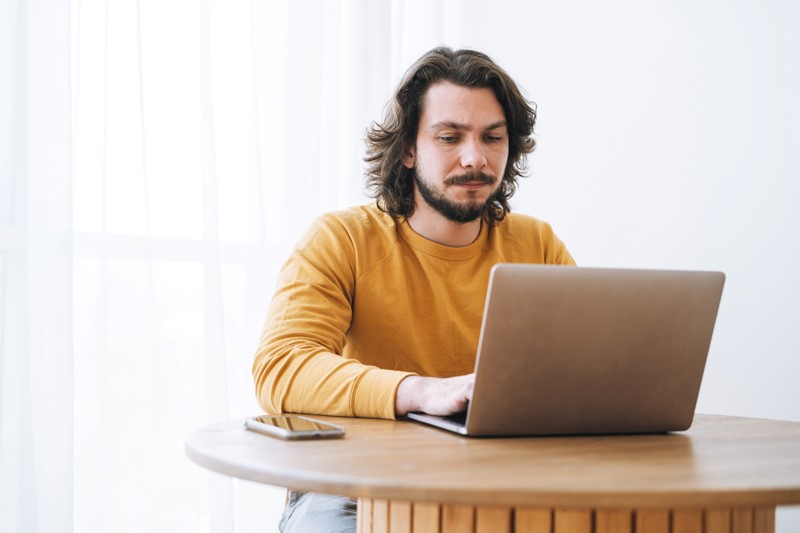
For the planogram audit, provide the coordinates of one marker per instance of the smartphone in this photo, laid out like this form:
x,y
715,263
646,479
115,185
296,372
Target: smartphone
x,y
294,427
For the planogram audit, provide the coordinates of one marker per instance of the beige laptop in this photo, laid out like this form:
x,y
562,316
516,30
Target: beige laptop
x,y
573,350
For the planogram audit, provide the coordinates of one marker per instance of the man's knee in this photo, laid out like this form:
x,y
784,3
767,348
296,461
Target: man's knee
x,y
309,511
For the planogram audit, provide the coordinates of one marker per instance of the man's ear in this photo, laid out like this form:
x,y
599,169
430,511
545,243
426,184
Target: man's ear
x,y
408,157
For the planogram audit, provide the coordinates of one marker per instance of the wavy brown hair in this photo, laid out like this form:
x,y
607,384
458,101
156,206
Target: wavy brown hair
x,y
390,181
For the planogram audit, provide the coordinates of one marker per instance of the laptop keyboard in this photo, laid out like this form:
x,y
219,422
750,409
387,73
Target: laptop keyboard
x,y
458,418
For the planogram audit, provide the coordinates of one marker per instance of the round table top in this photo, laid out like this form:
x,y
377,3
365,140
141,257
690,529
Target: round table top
x,y
720,461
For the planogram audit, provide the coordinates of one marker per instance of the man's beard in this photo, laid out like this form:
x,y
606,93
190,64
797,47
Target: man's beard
x,y
454,211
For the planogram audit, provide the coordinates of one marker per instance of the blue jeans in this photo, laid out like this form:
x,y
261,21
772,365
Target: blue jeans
x,y
310,512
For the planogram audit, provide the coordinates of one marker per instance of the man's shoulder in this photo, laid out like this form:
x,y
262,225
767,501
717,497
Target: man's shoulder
x,y
362,227
523,238
359,236
359,220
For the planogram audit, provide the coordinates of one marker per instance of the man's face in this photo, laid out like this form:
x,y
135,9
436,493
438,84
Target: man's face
x,y
461,151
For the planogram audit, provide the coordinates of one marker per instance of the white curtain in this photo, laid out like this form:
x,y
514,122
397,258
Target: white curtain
x,y
37,413
158,161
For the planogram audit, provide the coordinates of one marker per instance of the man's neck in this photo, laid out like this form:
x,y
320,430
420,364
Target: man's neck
x,y
434,227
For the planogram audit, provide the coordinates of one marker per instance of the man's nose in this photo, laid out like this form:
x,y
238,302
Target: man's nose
x,y
472,154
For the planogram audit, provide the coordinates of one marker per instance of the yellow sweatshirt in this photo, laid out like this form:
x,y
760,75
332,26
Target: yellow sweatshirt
x,y
364,301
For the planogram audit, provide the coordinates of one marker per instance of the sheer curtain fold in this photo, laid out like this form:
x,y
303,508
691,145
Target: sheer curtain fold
x,y
158,162
36,411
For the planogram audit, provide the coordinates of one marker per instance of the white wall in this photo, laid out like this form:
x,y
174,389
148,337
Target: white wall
x,y
668,138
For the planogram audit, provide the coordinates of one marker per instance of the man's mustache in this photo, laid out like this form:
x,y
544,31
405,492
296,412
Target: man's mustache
x,y
471,177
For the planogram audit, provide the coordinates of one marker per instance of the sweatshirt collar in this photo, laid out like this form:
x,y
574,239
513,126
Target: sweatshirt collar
x,y
453,253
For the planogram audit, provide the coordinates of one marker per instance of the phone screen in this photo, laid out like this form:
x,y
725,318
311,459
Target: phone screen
x,y
294,423
294,427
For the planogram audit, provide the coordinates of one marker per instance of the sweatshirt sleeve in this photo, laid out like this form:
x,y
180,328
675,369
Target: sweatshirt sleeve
x,y
298,365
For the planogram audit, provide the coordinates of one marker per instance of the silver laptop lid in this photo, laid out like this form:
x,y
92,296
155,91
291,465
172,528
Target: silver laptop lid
x,y
573,350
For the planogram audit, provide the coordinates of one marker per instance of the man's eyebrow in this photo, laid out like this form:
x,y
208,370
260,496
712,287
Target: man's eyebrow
x,y
448,124
498,124
458,126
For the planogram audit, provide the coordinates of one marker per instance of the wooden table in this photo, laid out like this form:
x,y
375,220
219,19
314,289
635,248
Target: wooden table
x,y
725,474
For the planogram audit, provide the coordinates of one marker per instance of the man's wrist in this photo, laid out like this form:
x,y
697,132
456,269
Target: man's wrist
x,y
407,397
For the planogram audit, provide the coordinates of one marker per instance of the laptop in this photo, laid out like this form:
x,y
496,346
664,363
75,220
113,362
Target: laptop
x,y
582,351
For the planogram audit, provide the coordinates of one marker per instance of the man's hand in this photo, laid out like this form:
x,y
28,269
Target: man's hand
x,y
435,396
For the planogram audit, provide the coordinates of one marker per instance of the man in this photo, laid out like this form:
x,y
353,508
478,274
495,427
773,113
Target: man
x,y
378,310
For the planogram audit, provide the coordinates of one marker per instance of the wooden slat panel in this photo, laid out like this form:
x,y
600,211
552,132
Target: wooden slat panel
x,y
426,517
492,519
764,520
652,522
742,521
530,520
718,521
380,516
570,521
458,518
364,515
400,517
687,521
613,521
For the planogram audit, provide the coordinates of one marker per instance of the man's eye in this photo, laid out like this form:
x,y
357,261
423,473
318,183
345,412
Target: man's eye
x,y
449,139
494,138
